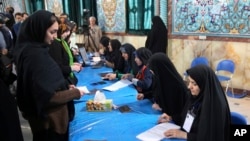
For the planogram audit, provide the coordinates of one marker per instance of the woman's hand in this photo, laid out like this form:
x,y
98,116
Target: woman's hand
x,y
175,133
81,92
110,76
72,86
140,96
156,107
164,118
76,67
125,76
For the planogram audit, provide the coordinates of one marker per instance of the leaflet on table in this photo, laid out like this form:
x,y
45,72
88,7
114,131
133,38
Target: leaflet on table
x,y
120,84
156,133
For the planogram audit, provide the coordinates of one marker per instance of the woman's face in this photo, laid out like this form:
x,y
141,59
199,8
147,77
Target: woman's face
x,y
110,47
125,56
51,33
138,61
193,87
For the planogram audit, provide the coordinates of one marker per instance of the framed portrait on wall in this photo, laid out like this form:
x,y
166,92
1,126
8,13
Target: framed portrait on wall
x,y
112,15
54,6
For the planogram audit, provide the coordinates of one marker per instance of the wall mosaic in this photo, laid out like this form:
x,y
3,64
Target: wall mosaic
x,y
112,15
227,18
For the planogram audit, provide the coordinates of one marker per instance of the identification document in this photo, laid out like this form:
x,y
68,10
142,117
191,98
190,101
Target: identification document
x,y
156,133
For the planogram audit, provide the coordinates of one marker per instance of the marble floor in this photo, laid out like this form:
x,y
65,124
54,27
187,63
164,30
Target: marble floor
x,y
241,105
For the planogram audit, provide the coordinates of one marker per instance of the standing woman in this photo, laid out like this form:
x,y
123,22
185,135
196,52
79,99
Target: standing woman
x,y
206,116
60,51
43,96
157,38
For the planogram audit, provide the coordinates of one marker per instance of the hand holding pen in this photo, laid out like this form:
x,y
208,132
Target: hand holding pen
x,y
164,118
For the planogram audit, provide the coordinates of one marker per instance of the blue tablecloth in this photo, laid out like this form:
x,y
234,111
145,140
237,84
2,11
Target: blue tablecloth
x,y
113,125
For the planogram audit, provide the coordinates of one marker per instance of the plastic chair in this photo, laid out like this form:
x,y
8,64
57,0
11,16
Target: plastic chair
x,y
224,71
197,61
200,60
238,119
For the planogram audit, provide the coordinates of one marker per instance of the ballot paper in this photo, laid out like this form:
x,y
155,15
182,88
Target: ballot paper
x,y
119,84
96,59
83,88
156,133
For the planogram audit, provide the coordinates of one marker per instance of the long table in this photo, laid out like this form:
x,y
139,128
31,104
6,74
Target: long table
x,y
112,125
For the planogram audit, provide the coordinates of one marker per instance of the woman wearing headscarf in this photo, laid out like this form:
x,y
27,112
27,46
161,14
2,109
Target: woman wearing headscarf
x,y
103,47
157,40
170,91
143,80
130,66
60,51
206,116
43,96
115,61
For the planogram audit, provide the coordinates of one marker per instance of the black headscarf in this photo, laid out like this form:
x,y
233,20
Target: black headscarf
x,y
157,39
212,121
105,42
143,54
35,26
39,77
131,64
170,90
116,56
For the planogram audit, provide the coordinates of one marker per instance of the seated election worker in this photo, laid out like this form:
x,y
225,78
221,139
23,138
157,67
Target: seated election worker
x,y
170,91
115,59
143,80
206,115
103,47
130,66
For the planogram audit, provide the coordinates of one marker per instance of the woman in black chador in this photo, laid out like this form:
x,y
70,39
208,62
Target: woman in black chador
x,y
157,38
206,115
43,95
170,91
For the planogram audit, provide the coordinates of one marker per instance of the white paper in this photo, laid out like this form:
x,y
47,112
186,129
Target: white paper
x,y
156,133
96,59
83,88
120,84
